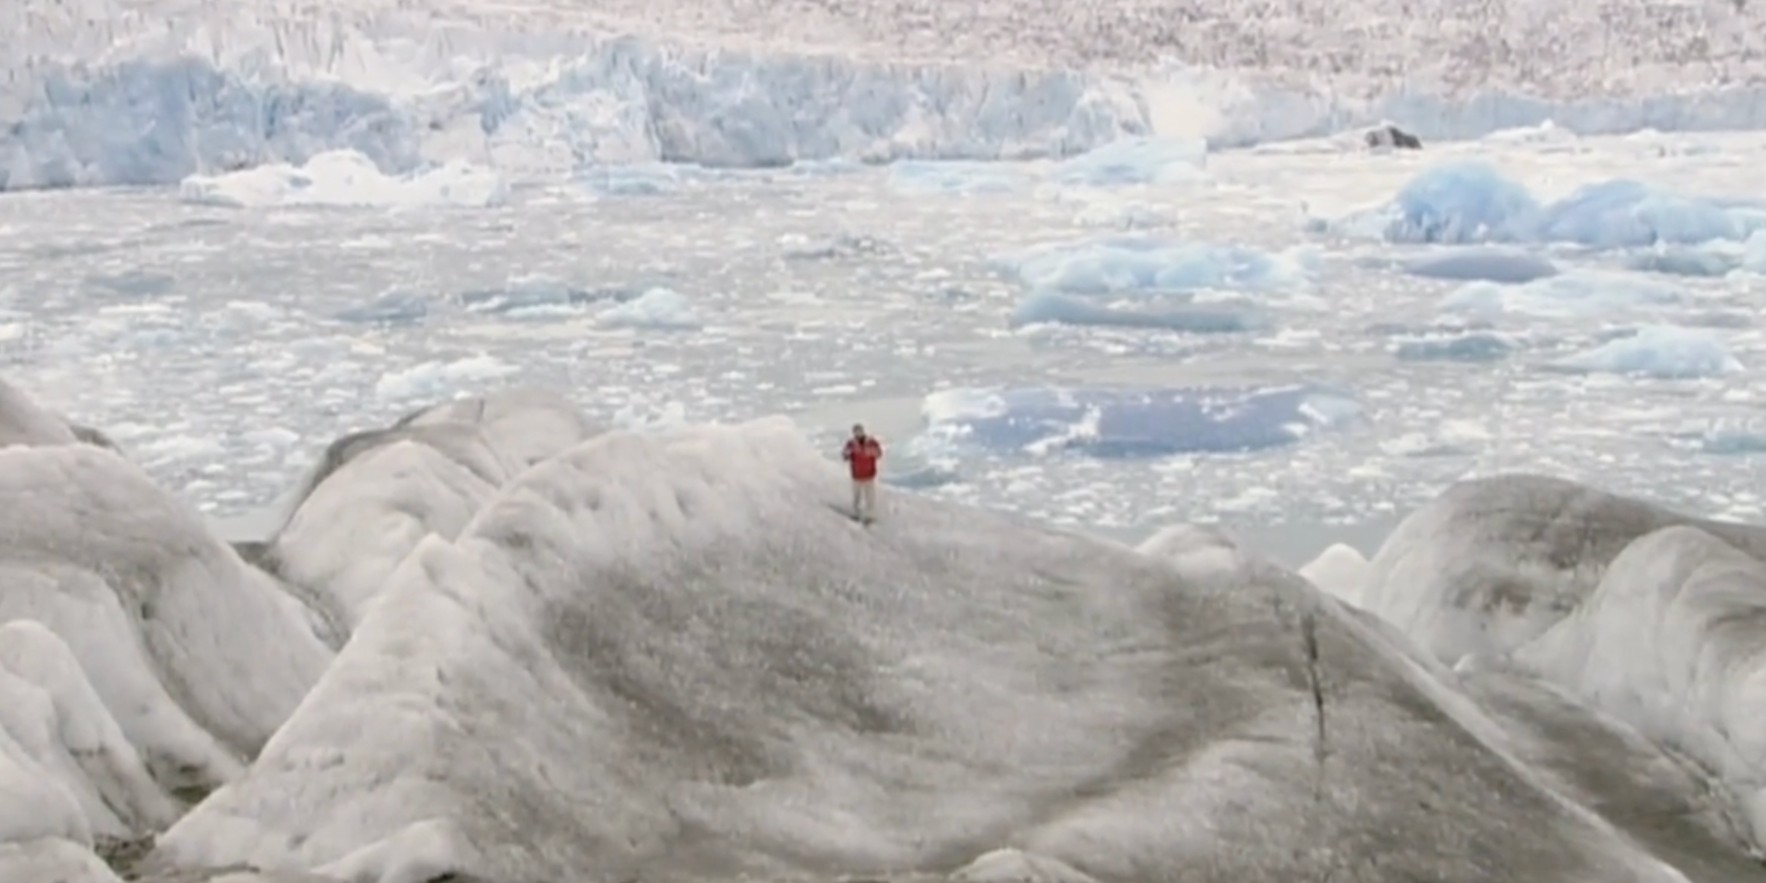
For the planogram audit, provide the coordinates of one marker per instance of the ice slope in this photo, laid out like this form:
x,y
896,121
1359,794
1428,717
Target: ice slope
x,y
196,656
1670,643
637,662
103,92
1493,563
375,495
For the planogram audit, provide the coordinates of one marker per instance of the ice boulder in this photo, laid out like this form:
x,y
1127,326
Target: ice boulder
x,y
1138,160
195,656
1471,202
660,309
1122,422
374,495
1152,263
1670,642
1664,352
1493,563
1458,203
346,178
51,860
638,663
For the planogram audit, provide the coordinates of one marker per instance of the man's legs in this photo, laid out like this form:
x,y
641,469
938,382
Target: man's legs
x,y
864,499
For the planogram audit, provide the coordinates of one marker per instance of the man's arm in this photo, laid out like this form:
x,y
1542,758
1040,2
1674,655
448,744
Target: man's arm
x,y
846,451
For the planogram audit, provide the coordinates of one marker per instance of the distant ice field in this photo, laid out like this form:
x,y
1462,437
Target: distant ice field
x,y
1304,334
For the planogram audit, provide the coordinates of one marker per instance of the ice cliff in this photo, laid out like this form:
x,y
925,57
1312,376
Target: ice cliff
x,y
98,93
574,654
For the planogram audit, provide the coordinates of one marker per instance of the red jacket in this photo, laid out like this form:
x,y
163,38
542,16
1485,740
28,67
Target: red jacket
x,y
863,457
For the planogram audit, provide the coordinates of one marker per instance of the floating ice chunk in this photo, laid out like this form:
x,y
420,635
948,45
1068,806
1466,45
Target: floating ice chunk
x,y
1662,351
657,308
1753,255
437,379
346,178
533,295
1139,160
1461,202
1488,265
1469,202
956,177
1683,262
1627,214
1137,311
1117,423
1547,134
1577,294
1130,262
389,308
1470,346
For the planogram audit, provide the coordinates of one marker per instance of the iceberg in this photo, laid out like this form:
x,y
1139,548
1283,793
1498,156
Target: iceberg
x,y
661,309
346,178
1470,346
1126,422
1483,265
1467,202
1137,262
1664,352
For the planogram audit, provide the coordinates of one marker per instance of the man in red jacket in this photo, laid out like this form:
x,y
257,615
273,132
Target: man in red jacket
x,y
862,453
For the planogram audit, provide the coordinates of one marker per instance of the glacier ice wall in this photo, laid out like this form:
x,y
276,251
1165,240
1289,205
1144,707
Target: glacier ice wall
x,y
151,104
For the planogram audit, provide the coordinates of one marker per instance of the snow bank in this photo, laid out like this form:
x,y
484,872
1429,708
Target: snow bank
x,y
98,97
376,494
346,178
1578,294
1493,563
1471,202
1669,642
613,672
1126,422
1665,352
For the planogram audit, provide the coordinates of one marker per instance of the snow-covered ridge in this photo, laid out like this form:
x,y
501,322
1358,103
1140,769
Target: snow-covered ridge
x,y
100,93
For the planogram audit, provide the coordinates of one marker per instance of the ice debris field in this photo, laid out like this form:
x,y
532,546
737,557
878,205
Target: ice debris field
x,y
389,398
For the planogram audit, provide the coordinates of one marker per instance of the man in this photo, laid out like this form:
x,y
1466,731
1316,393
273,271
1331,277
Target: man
x,y
861,454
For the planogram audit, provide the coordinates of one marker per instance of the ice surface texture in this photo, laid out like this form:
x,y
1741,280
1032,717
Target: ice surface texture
x,y
669,655
614,671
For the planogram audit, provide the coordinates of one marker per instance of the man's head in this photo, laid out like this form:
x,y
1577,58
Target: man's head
x,y
858,430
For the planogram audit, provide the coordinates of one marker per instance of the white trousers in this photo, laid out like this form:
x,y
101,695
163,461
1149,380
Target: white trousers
x,y
864,497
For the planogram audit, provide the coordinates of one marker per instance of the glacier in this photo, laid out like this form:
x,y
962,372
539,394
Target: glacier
x,y
96,94
491,640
